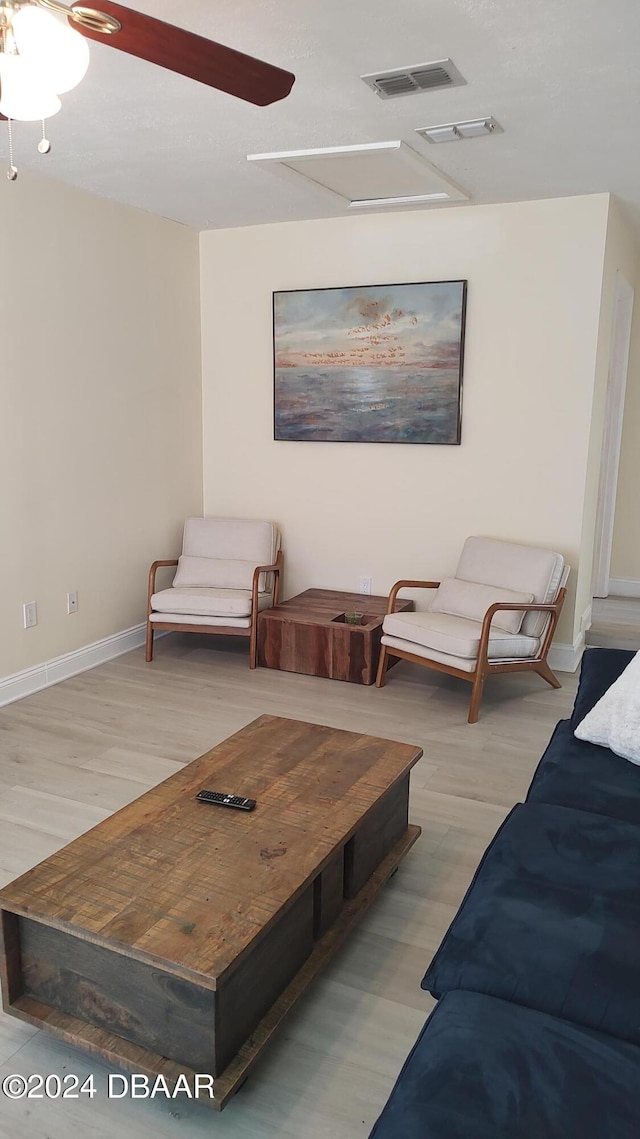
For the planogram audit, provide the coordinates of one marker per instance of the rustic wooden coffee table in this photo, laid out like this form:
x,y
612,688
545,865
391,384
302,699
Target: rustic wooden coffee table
x,y
309,634
174,937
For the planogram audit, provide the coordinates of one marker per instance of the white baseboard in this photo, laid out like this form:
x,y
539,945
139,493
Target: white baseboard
x,y
562,658
586,621
61,668
566,658
624,587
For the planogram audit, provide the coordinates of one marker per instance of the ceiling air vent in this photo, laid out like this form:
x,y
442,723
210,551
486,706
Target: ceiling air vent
x,y
453,132
414,80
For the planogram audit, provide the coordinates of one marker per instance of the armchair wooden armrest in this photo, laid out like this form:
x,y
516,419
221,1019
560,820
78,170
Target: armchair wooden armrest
x,y
553,607
275,569
152,578
407,583
539,662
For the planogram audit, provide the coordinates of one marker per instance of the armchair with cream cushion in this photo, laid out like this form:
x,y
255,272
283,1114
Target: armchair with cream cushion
x,y
498,614
228,571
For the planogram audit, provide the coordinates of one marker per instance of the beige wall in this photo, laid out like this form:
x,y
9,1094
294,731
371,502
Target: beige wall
x,y
620,256
535,275
100,411
625,555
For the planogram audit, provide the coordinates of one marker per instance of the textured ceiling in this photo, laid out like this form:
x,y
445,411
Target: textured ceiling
x,y
562,77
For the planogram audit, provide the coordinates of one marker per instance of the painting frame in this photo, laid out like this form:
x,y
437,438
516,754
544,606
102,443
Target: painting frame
x,y
382,365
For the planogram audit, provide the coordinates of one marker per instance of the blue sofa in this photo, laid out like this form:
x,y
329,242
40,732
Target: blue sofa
x,y
536,1034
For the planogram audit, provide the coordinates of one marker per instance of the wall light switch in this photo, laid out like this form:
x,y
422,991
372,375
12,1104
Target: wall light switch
x,y
72,603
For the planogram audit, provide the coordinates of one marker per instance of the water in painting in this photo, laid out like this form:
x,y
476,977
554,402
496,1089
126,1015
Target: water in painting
x,y
378,364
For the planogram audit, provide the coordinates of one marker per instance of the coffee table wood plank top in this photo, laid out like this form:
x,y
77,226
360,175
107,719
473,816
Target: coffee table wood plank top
x,y
169,879
133,1058
309,634
219,913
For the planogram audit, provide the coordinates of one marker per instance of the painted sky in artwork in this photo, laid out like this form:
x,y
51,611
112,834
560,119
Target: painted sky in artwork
x,y
387,326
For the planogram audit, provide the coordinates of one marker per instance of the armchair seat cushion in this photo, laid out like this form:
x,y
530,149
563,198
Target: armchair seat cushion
x,y
191,619
207,602
454,636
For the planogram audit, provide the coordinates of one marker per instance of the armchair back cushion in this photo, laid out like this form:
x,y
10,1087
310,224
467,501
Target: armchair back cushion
x,y
470,599
222,553
509,565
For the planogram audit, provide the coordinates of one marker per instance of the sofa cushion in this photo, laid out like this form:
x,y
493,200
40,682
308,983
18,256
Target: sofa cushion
x,y
614,722
573,773
457,636
216,573
552,920
514,566
470,599
486,1069
600,668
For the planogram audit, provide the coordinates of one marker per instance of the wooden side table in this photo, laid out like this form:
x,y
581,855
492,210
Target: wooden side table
x,y
309,634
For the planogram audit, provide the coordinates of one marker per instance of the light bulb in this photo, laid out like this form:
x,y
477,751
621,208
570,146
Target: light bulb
x,y
23,95
60,55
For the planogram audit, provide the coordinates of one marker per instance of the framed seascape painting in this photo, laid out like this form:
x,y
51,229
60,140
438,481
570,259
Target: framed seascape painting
x,y
377,364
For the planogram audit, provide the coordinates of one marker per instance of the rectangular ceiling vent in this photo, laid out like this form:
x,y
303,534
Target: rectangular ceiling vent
x,y
453,132
414,80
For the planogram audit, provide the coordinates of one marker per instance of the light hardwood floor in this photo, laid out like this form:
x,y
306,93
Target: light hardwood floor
x,y
73,753
615,623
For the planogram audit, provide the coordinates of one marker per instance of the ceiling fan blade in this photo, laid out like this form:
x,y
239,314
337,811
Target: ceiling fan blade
x,y
191,55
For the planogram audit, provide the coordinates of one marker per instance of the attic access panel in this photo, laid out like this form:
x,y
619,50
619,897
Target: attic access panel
x,y
369,176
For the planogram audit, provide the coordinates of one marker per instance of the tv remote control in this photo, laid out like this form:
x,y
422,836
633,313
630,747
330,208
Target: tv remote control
x,y
221,799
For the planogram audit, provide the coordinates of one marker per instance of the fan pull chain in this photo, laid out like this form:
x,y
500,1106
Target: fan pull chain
x,y
44,146
12,172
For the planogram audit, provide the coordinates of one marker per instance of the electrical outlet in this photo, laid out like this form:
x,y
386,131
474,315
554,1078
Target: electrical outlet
x,y
365,585
72,603
30,614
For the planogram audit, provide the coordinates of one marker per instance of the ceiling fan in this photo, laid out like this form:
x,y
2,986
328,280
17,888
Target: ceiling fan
x,y
28,54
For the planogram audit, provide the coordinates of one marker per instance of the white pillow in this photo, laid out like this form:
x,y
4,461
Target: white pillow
x,y
470,599
614,722
215,573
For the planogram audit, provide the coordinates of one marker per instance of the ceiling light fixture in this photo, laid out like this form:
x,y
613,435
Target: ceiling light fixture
x,y
454,132
42,57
